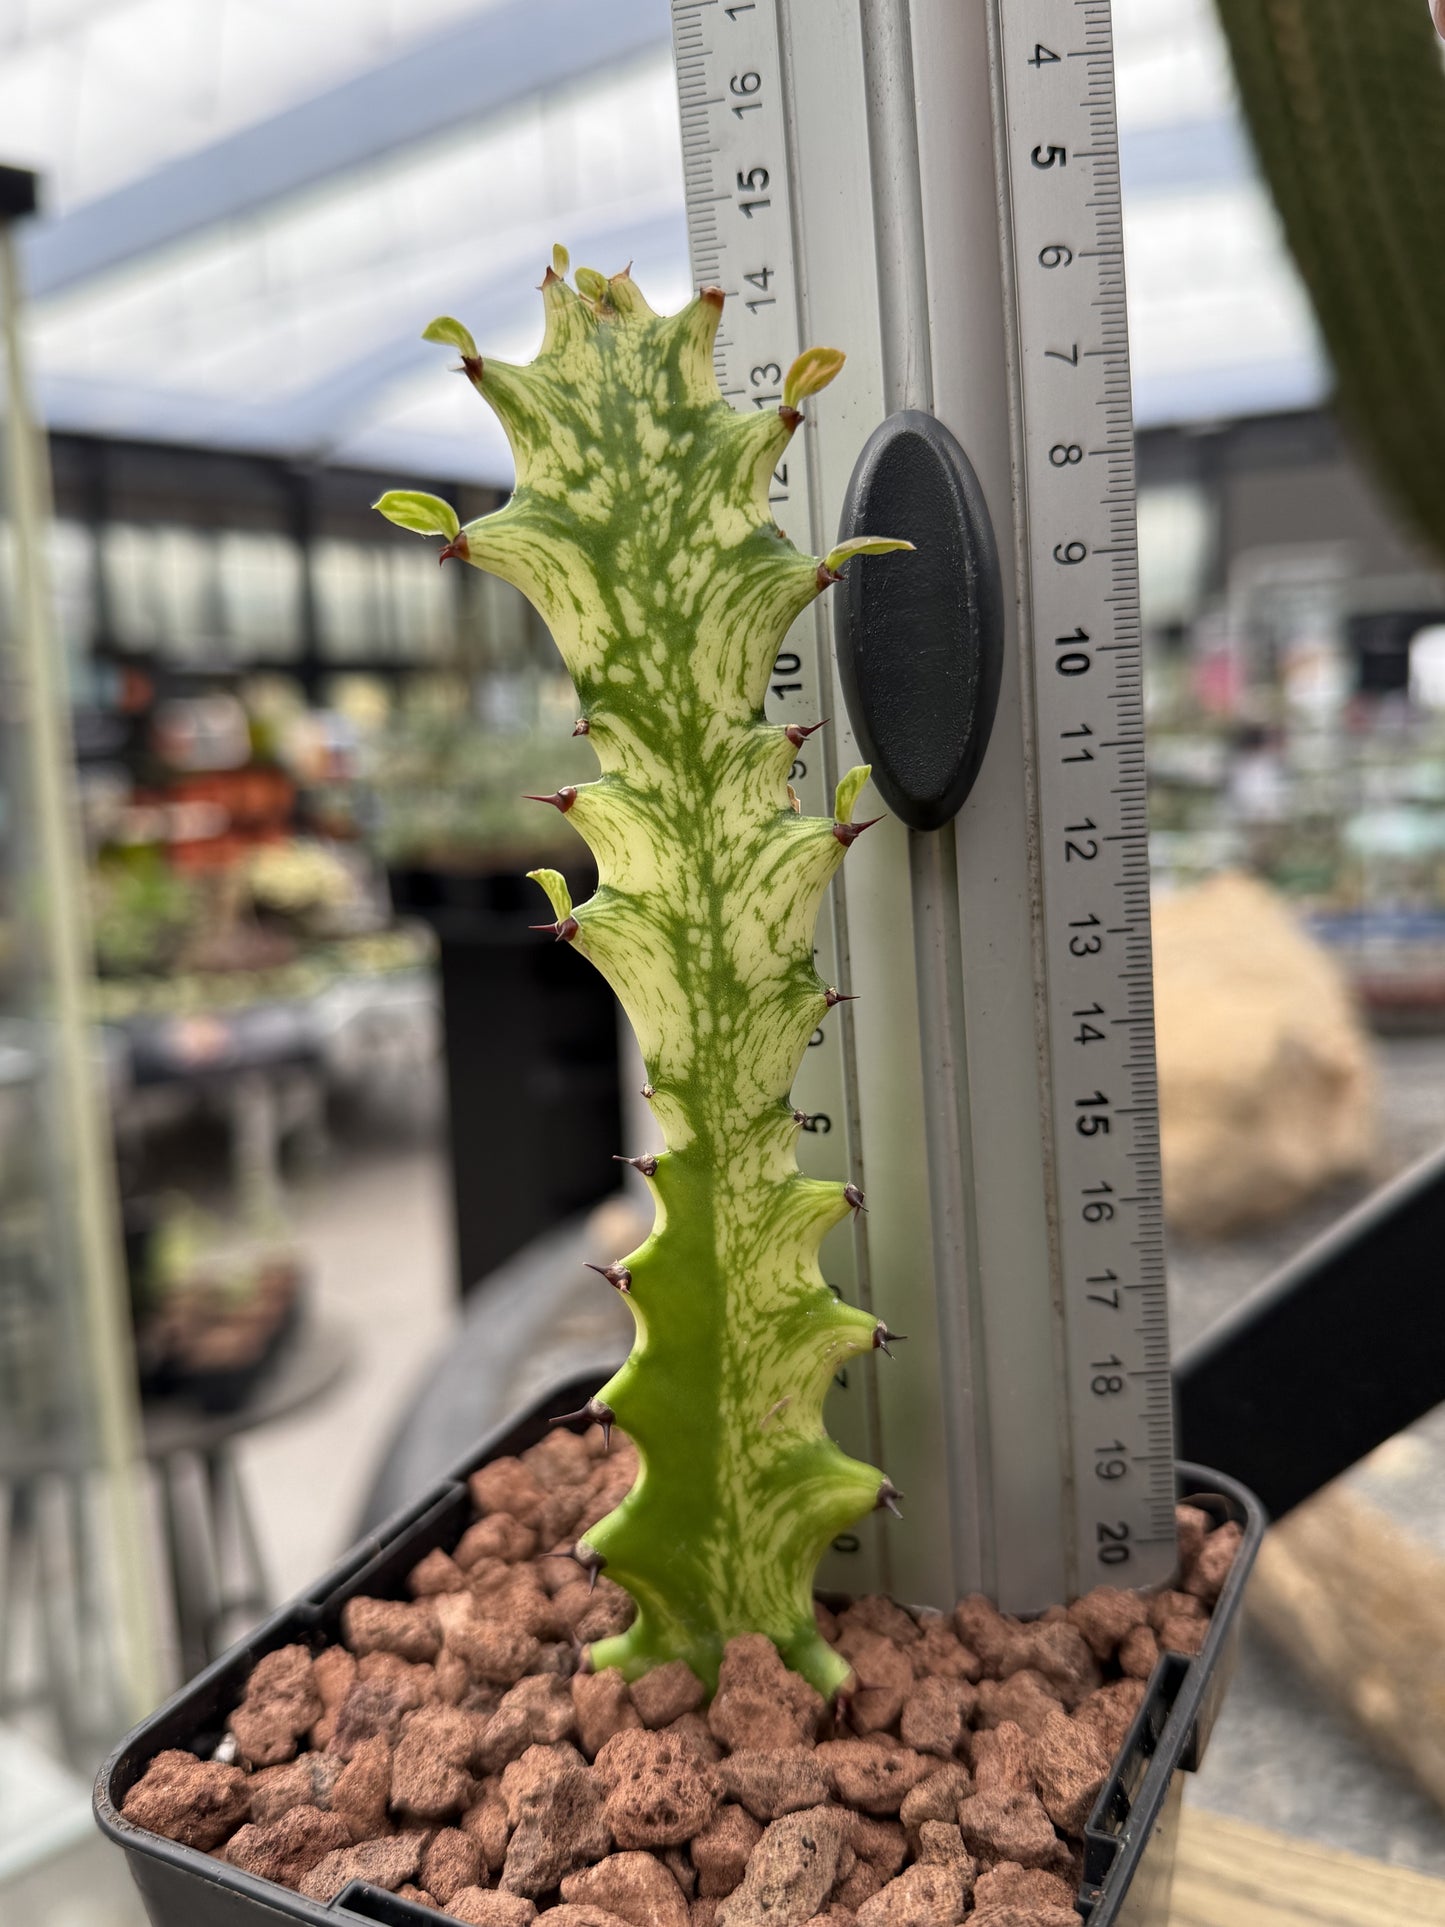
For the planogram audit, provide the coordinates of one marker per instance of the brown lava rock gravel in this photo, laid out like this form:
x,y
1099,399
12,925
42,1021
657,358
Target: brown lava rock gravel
x,y
450,1751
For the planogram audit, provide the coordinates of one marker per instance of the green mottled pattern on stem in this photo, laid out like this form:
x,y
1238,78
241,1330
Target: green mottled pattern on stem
x,y
640,529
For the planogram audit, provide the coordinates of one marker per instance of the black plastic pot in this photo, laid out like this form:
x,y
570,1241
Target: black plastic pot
x,y
1129,1841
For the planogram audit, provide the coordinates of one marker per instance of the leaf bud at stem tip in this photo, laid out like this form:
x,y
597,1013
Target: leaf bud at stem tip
x,y
849,833
618,1276
887,1500
648,1092
714,297
646,1165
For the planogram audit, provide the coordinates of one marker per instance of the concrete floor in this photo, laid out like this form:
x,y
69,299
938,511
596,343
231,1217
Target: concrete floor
x,y
375,1224
376,1228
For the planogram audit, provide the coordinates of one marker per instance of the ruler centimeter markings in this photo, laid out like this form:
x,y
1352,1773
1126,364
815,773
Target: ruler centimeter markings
x,y
1075,528
1076,427
739,220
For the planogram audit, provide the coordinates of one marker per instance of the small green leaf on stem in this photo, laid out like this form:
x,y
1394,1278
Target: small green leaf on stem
x,y
561,259
409,508
850,788
591,284
453,334
558,895
860,545
813,370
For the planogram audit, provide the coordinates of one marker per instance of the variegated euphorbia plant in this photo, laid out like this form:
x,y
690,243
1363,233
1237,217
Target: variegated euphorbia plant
x,y
640,530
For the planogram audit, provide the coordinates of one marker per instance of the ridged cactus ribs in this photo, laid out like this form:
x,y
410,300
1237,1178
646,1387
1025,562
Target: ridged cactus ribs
x,y
640,530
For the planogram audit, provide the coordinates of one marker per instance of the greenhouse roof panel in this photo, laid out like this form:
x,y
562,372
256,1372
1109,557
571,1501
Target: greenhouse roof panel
x,y
255,208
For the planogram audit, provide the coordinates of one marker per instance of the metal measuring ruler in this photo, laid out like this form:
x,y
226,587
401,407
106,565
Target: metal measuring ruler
x,y
934,187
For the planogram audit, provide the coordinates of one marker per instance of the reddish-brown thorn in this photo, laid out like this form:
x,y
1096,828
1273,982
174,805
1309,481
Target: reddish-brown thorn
x,y
648,1091
618,1276
562,799
830,997
798,733
791,418
549,277
853,1198
594,1412
646,1165
457,550
826,577
564,930
887,1500
581,727
883,1338
470,366
712,296
849,833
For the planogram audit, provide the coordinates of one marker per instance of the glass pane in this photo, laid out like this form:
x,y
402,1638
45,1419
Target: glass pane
x,y
72,577
501,628
162,583
260,583
424,603
352,604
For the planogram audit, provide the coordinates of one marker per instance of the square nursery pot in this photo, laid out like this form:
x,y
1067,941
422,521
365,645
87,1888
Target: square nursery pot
x,y
1129,1840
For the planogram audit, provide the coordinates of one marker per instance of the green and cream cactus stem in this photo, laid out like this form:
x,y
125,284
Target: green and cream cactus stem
x,y
640,530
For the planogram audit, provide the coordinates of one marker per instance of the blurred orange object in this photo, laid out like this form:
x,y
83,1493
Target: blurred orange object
x,y
255,795
210,853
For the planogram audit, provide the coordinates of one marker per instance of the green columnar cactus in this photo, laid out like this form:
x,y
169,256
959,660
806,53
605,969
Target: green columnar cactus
x,y
1346,105
640,529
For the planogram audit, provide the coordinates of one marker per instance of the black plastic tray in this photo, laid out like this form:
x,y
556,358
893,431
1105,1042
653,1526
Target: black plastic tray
x,y
1129,1841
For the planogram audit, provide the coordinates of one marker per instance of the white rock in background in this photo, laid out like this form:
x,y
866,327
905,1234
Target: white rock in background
x,y
1266,1085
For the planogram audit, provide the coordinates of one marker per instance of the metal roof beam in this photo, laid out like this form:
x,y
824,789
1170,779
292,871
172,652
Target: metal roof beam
x,y
477,68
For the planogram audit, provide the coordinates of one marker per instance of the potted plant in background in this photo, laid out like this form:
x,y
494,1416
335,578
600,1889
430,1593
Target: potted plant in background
x,y
594,1680
216,1304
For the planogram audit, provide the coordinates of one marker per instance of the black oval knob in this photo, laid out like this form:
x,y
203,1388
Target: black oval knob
x,y
920,637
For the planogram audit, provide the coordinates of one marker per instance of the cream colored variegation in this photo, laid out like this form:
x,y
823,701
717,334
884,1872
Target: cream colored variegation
x,y
641,531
